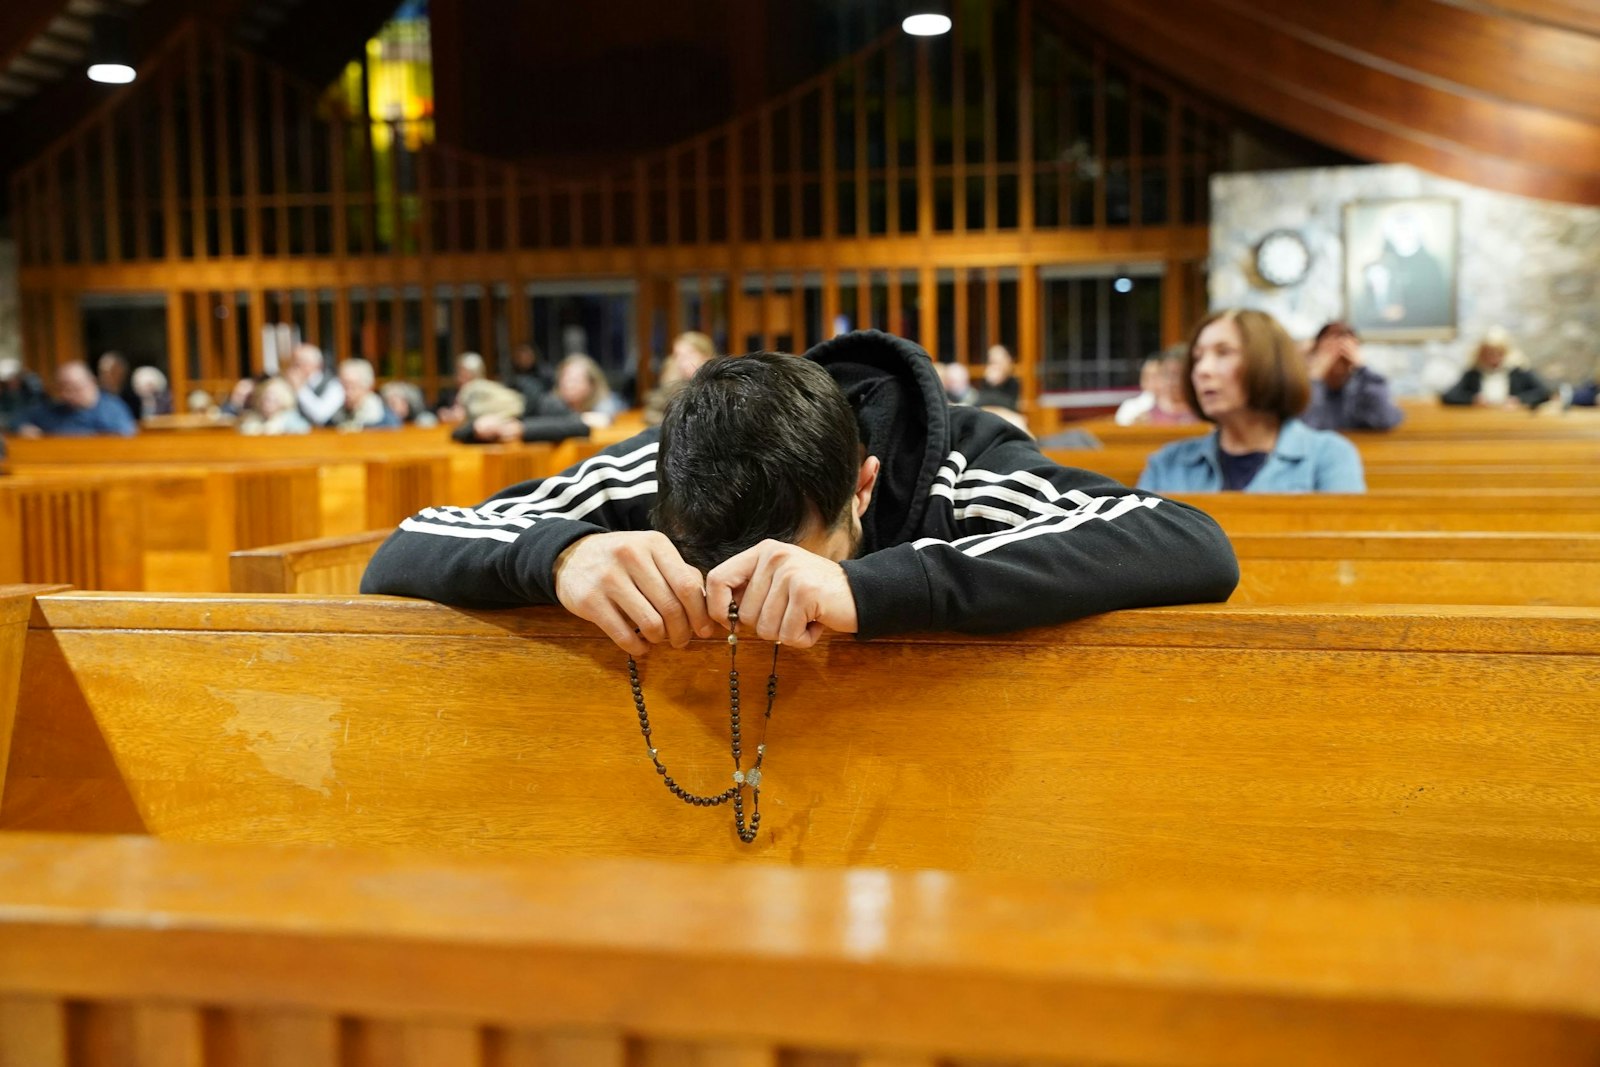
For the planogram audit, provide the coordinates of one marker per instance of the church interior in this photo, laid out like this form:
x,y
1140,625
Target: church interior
x,y
1116,485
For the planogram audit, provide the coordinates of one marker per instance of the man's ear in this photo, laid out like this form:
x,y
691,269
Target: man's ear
x,y
866,482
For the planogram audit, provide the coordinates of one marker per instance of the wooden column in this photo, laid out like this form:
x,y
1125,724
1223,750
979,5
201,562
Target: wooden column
x,y
644,334
928,309
960,325
1174,303
341,322
1025,206
251,163
177,347
830,302
197,168
256,313
1029,338
68,328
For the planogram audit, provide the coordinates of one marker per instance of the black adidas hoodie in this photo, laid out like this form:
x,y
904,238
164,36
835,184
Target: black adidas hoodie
x,y
970,527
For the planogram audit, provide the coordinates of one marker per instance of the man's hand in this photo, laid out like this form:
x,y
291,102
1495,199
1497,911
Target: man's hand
x,y
786,593
623,582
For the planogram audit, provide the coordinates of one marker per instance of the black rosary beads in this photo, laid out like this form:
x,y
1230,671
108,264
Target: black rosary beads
x,y
742,779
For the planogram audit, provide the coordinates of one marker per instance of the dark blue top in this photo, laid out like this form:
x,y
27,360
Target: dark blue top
x,y
1240,471
108,416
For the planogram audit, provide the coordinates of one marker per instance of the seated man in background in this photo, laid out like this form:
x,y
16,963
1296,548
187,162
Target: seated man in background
x,y
834,492
150,393
81,409
1346,394
362,407
469,368
111,372
529,375
317,393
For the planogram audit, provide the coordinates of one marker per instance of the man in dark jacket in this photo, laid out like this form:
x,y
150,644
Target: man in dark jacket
x,y
836,492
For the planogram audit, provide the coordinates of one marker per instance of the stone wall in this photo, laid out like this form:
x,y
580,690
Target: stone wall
x,y
1531,266
10,319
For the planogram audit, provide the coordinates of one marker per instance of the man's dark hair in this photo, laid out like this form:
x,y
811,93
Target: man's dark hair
x,y
751,447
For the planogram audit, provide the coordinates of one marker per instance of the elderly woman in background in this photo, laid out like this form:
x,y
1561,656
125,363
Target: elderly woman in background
x,y
1346,394
273,411
1244,373
1498,378
151,393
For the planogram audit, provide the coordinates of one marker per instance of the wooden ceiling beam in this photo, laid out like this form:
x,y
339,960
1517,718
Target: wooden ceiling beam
x,y
1453,48
1581,16
1253,88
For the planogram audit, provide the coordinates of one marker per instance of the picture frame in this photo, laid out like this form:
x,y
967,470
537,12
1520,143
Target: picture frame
x,y
1400,268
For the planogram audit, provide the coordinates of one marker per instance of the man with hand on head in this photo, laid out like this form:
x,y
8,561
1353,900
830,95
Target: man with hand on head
x,y
1346,394
834,492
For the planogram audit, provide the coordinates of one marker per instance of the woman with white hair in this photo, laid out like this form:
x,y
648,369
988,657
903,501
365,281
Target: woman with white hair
x,y
273,411
1499,377
150,390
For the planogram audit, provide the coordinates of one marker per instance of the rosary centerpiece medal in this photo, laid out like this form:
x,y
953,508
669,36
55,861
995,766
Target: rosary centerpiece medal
x,y
742,779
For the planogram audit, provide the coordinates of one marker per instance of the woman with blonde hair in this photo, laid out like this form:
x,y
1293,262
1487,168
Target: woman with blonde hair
x,y
1499,377
1243,372
273,411
582,386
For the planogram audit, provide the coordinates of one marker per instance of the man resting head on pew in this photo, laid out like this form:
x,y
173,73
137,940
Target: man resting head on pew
x,y
832,492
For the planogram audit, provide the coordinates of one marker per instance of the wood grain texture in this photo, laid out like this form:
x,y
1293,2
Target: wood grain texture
x,y
564,957
1381,748
33,1032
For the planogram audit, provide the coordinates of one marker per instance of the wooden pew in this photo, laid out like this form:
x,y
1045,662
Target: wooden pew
x,y
327,565
1398,511
87,532
133,951
1377,749
230,448
1409,568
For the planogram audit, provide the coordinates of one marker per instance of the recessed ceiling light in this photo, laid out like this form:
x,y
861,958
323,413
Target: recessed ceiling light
x,y
926,25
111,73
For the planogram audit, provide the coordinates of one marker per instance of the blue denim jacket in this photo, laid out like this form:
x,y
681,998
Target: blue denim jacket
x,y
1303,461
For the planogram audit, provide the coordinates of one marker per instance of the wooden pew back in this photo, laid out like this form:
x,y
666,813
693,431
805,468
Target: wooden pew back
x,y
86,532
1377,748
127,951
328,565
397,487
1400,511
1411,568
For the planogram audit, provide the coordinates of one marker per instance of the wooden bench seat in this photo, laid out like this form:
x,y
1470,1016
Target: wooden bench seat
x,y
1376,749
1413,568
135,951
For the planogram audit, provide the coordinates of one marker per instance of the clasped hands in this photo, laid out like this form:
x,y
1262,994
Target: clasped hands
x,y
640,592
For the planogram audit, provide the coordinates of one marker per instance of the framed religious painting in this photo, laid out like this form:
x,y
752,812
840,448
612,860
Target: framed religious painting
x,y
1400,268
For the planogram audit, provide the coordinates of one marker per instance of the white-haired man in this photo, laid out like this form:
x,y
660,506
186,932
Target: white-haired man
x,y
316,391
362,406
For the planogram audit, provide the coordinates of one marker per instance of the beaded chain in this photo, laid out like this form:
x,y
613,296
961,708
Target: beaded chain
x,y
741,777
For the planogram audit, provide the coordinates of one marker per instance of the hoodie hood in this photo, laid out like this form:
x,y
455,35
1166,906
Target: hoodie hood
x,y
904,420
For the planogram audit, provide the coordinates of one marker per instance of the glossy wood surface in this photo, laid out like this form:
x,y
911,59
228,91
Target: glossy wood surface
x,y
332,957
1404,510
1379,748
1408,568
